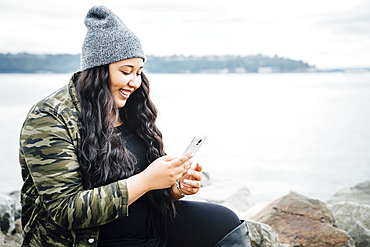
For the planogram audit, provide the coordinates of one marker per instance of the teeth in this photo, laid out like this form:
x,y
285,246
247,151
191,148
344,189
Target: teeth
x,y
125,93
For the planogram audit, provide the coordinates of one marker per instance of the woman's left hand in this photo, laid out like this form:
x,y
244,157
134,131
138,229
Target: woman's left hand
x,y
191,180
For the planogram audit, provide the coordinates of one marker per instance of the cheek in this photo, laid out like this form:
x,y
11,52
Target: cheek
x,y
114,82
140,83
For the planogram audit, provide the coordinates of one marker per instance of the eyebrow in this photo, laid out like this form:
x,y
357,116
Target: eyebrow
x,y
131,66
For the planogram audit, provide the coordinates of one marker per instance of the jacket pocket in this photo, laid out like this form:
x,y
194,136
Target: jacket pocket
x,y
50,234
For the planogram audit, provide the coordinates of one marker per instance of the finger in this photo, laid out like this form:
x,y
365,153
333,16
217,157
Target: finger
x,y
167,158
181,160
199,167
190,190
191,164
195,175
187,170
196,166
191,183
186,166
192,154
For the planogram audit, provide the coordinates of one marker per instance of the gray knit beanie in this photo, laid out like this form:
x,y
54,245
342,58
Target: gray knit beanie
x,y
107,40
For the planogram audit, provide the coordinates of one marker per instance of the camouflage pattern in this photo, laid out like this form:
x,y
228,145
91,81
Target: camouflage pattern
x,y
56,210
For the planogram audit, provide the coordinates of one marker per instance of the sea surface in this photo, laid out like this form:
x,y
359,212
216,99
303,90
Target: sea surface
x,y
306,132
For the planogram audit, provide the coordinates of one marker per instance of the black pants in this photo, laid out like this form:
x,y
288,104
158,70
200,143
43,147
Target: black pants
x,y
200,224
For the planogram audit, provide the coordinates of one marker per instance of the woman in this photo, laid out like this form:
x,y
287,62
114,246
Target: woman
x,y
94,168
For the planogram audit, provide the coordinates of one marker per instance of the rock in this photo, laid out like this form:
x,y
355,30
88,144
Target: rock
x,y
262,235
2,239
206,179
347,213
6,214
18,226
16,203
353,218
302,221
230,193
360,193
10,241
360,234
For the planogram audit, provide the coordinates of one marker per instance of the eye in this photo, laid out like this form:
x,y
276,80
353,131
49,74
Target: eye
x,y
125,73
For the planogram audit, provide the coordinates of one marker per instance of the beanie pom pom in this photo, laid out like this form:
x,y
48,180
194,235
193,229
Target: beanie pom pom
x,y
100,17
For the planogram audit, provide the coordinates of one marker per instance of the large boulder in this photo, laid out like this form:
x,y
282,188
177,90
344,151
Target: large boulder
x,y
353,218
302,221
359,193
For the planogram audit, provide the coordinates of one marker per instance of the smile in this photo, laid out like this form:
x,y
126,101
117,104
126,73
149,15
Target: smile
x,y
124,93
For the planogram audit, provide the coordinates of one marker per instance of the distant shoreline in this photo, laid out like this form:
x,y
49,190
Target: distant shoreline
x,y
176,64
66,63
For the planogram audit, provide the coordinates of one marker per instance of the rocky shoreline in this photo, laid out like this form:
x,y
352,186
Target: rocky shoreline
x,y
289,221
296,220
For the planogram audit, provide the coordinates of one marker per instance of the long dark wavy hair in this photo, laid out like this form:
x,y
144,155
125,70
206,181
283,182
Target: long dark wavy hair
x,y
103,157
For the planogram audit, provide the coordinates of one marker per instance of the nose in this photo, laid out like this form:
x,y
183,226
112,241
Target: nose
x,y
135,81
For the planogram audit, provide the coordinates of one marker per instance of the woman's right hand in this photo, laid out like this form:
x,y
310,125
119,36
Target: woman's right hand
x,y
164,171
160,174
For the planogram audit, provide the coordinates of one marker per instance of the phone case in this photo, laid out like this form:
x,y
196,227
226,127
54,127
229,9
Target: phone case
x,y
195,144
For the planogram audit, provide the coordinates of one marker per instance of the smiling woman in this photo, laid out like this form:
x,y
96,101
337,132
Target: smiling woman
x,y
93,163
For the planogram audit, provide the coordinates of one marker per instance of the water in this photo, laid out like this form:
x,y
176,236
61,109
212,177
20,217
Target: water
x,y
277,132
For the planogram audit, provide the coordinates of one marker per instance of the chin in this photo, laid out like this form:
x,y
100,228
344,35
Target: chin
x,y
121,104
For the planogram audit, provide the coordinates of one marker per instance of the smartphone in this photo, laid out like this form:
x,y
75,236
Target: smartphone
x,y
195,144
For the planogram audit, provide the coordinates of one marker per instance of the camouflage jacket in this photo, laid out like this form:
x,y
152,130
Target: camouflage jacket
x,y
56,210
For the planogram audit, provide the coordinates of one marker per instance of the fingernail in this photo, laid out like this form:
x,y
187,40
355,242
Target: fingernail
x,y
186,181
189,172
192,154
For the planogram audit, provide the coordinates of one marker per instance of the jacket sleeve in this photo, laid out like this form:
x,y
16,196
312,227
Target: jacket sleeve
x,y
49,148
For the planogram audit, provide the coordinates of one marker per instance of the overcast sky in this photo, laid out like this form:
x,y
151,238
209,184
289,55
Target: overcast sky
x,y
324,33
